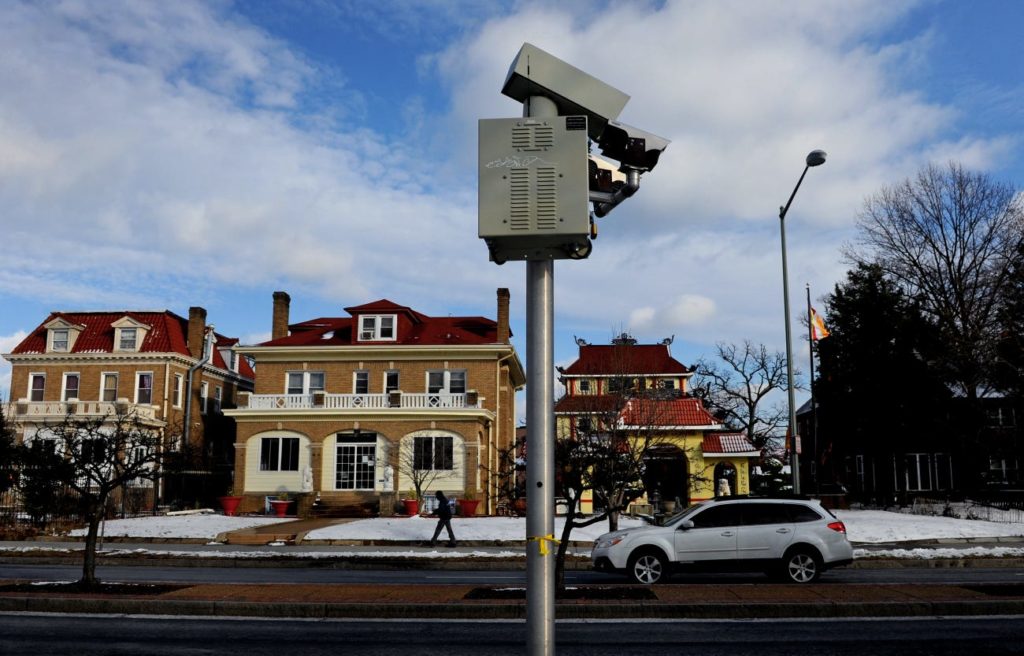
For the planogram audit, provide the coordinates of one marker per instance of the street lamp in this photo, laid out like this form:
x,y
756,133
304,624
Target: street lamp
x,y
814,158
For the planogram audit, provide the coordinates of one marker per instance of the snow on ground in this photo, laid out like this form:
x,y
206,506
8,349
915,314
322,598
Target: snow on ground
x,y
862,526
875,526
472,528
205,526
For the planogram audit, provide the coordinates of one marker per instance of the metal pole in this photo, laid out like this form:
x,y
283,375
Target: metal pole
x,y
794,456
815,464
540,455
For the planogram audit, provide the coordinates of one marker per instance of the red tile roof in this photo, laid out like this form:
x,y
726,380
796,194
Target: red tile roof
x,y
168,333
588,403
717,443
422,330
666,413
624,359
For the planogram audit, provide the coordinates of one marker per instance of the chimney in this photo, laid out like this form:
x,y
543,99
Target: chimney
x,y
279,327
196,331
503,330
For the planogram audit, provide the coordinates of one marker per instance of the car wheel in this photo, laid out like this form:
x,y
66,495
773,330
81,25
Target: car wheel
x,y
801,566
648,567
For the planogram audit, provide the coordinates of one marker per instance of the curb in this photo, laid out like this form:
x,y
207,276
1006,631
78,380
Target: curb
x,y
514,611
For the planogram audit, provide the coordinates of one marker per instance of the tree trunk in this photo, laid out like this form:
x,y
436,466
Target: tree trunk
x,y
95,515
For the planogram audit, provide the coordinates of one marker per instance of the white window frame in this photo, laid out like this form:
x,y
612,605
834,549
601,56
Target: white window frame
x,y
31,388
922,464
179,385
103,385
371,328
361,378
64,385
446,386
398,380
306,389
138,388
218,397
120,339
204,393
66,341
266,466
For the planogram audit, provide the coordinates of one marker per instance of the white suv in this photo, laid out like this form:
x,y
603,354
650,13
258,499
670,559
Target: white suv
x,y
793,539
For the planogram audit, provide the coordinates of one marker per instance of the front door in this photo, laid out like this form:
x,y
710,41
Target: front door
x,y
355,462
712,537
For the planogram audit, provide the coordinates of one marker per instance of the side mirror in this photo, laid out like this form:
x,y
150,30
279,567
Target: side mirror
x,y
686,525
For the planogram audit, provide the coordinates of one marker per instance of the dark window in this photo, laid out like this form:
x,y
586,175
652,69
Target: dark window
x,y
391,381
433,453
144,389
803,513
70,386
279,454
717,516
38,387
765,513
93,451
362,385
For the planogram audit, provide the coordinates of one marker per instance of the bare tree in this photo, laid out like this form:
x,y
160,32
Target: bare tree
x,y
608,457
736,389
101,455
947,238
424,461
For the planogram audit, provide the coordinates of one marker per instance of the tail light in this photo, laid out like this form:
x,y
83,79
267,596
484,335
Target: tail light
x,y
838,527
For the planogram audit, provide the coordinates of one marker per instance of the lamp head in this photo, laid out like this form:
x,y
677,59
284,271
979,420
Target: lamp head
x,y
816,158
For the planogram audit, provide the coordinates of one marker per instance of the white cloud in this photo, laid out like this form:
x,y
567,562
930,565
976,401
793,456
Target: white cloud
x,y
150,150
7,344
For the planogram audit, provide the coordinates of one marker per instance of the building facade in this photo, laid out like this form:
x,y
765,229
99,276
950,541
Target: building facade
x,y
157,366
640,391
355,411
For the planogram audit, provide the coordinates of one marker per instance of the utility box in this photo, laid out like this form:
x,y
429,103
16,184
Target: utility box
x,y
534,188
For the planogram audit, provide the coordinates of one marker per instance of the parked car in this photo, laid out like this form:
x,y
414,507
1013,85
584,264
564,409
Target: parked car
x,y
792,539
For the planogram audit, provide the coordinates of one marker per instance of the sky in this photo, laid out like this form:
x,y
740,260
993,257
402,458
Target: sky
x,y
165,155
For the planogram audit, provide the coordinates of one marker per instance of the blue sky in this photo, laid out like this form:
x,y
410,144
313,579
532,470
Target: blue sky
x,y
162,155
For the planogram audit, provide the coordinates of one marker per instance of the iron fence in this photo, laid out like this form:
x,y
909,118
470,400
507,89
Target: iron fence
x,y
1007,510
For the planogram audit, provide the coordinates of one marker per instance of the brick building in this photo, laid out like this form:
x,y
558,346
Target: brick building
x,y
347,409
156,365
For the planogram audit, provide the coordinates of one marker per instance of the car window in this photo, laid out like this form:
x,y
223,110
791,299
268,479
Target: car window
x,y
802,513
755,514
717,516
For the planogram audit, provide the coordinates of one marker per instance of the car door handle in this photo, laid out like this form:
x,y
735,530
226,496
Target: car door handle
x,y
727,534
782,530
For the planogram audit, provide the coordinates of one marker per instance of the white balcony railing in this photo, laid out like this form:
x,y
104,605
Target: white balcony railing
x,y
54,409
360,401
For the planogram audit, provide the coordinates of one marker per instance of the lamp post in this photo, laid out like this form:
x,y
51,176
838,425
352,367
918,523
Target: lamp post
x,y
814,158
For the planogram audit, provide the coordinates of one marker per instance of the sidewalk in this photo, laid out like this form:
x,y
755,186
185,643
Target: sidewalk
x,y
456,601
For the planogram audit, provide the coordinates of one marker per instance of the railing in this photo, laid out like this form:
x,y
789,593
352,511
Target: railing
x,y
280,401
360,401
349,401
43,409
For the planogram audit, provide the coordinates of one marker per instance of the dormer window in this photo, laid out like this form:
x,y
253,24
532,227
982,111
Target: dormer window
x,y
129,334
60,341
377,328
61,335
128,340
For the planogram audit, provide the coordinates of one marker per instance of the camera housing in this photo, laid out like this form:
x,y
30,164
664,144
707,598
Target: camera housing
x,y
632,147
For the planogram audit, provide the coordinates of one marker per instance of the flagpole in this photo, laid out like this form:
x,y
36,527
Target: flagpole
x,y
814,410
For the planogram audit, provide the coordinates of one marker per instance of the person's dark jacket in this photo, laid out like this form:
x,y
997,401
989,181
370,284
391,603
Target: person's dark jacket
x,y
444,511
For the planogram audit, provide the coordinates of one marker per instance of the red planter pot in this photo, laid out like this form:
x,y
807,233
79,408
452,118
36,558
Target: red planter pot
x,y
280,507
412,506
230,504
467,507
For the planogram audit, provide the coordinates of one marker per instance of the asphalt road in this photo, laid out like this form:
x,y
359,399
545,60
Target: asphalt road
x,y
175,636
319,573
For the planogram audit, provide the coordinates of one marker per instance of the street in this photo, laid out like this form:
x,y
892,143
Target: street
x,y
322,572
173,636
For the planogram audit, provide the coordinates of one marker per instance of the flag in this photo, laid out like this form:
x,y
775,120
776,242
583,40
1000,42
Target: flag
x,y
818,329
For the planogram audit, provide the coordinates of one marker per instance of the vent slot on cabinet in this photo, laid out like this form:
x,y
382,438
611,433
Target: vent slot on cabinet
x,y
532,137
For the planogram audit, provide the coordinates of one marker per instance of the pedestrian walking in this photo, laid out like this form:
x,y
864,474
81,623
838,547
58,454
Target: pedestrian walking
x,y
444,519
